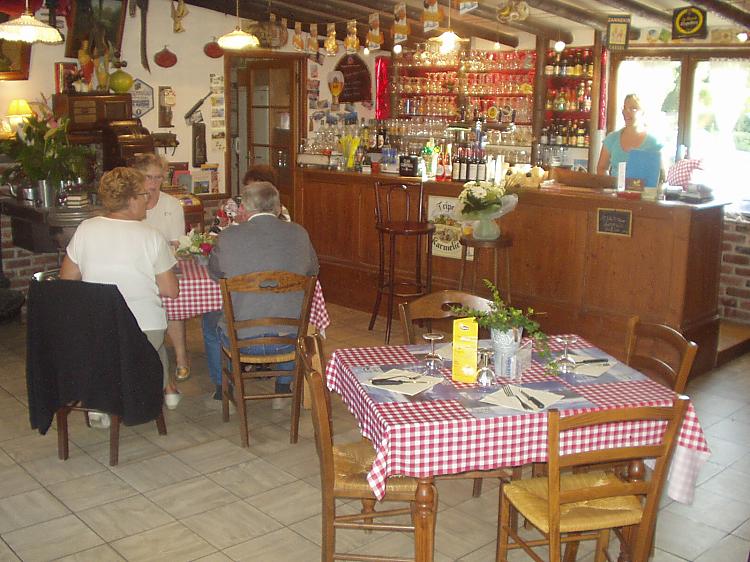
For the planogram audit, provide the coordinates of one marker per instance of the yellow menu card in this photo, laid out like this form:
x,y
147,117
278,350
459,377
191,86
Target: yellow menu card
x,y
465,332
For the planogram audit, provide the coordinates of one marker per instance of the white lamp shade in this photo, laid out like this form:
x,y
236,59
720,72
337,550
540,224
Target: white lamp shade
x,y
238,40
28,29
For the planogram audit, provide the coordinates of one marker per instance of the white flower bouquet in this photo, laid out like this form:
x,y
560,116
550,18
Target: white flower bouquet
x,y
481,200
196,244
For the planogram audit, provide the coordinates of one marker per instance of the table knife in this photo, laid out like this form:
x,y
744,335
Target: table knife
x,y
533,400
592,361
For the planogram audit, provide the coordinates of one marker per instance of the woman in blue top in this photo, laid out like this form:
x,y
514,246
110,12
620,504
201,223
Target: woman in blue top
x,y
618,144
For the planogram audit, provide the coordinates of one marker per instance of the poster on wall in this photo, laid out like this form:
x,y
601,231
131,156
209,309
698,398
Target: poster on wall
x,y
218,118
618,30
143,98
400,23
357,85
430,15
445,242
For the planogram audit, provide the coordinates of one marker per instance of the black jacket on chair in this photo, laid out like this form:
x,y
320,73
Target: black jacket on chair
x,y
84,344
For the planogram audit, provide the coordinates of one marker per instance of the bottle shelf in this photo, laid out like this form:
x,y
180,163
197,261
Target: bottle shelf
x,y
564,145
568,112
568,79
484,96
413,95
447,117
505,72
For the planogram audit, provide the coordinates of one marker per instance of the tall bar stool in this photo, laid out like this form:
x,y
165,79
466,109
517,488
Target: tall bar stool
x,y
502,244
399,211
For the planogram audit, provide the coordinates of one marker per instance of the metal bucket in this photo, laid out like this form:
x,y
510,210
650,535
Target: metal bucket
x,y
47,192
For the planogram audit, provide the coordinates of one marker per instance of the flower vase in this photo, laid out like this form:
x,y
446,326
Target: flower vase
x,y
505,344
200,259
486,229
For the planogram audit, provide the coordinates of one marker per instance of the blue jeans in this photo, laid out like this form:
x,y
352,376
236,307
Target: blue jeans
x,y
214,338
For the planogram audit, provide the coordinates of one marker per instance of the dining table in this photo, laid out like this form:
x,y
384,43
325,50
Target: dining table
x,y
454,427
199,294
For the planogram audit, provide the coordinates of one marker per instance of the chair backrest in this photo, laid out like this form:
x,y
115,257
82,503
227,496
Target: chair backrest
x,y
268,283
665,421
436,306
311,352
399,202
646,341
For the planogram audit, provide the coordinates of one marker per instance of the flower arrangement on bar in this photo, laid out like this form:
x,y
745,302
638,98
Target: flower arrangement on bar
x,y
483,202
196,244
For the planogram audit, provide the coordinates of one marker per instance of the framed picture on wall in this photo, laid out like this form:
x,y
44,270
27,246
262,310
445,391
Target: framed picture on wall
x,y
14,57
100,22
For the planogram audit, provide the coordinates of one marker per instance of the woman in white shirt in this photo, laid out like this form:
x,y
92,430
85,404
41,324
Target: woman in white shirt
x,y
118,248
165,214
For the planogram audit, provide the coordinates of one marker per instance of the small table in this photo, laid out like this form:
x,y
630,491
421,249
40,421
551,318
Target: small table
x,y
449,431
501,244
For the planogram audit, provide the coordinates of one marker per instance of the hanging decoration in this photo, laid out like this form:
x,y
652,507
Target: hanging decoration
x,y
298,42
466,6
330,44
400,23
312,40
430,15
512,10
165,58
213,50
178,14
351,43
335,84
375,36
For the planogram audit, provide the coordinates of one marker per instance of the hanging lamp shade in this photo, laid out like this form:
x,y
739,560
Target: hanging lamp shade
x,y
238,40
28,29
447,40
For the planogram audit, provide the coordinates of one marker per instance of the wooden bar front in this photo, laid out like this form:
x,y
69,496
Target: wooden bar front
x,y
585,281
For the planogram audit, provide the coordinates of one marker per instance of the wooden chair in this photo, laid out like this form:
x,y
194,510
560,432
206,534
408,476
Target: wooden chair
x,y
61,415
263,283
343,472
437,306
671,371
586,506
400,213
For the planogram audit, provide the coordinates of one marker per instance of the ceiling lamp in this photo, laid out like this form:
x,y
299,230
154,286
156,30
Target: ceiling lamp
x,y
237,40
559,46
447,39
28,29
742,36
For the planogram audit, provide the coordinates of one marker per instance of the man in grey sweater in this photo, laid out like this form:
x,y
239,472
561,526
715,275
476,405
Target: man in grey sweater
x,y
263,243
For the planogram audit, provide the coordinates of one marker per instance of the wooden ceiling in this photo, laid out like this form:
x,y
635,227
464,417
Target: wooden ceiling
x,y
553,19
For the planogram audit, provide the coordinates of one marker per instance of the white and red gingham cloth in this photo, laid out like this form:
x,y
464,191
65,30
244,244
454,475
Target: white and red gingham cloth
x,y
199,294
423,438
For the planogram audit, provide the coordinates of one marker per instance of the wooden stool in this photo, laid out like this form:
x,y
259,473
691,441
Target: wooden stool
x,y
501,244
399,211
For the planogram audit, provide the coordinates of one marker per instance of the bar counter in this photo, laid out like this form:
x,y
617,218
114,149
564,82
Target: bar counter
x,y
585,281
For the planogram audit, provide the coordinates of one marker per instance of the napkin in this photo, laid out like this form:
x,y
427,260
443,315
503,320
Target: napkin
x,y
499,398
590,369
413,383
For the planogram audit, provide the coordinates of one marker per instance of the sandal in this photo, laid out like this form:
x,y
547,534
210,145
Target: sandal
x,y
182,373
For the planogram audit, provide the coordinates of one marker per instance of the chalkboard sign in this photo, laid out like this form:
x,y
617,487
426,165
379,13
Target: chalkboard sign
x,y
614,221
356,79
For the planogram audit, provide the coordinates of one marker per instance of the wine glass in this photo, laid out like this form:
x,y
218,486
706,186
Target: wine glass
x,y
485,375
565,364
433,361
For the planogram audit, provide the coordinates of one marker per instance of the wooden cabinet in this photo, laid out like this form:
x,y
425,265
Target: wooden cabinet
x,y
584,281
89,113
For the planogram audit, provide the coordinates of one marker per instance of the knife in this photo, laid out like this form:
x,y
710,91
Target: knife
x,y
393,382
533,400
592,361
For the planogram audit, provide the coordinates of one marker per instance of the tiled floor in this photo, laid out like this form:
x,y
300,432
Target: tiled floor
x,y
196,494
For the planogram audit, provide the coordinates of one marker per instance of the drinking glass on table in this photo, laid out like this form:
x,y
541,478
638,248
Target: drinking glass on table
x,y
433,362
565,364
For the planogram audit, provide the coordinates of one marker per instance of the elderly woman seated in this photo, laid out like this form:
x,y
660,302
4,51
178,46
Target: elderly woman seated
x,y
119,249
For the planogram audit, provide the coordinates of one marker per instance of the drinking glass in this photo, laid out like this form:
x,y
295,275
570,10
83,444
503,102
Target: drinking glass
x,y
485,375
433,362
565,364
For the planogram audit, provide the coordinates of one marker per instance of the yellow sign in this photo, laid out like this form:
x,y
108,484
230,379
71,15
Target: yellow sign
x,y
689,22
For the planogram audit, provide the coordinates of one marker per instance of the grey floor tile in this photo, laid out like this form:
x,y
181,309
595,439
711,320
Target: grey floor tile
x,y
280,546
231,524
190,497
172,542
51,470
6,554
14,480
156,472
276,502
29,508
672,530
714,510
103,553
251,478
126,517
52,539
89,491
214,455
729,549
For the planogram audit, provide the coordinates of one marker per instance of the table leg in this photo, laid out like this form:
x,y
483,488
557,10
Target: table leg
x,y
424,520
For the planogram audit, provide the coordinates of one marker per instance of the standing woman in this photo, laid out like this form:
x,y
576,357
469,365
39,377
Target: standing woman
x,y
120,249
618,144
164,213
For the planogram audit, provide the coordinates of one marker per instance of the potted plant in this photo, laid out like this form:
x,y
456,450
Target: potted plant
x,y
42,151
507,324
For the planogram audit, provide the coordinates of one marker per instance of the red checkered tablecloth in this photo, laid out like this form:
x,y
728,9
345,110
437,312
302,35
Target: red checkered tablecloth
x,y
199,293
424,437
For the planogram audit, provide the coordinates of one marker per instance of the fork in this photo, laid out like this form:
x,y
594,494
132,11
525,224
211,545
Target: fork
x,y
509,392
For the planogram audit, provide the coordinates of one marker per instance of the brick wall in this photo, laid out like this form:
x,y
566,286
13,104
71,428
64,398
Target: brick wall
x,y
734,288
19,264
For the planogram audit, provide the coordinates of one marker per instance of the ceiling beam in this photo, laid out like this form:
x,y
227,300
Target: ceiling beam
x,y
726,10
529,25
642,10
577,15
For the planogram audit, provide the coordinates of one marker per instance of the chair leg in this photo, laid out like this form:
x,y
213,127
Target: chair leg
x,y
225,375
296,401
114,440
368,506
328,546
602,542
381,281
462,273
477,489
503,520
239,399
391,288
571,552
62,433
161,425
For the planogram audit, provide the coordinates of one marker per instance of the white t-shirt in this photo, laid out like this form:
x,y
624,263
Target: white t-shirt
x,y
167,217
129,254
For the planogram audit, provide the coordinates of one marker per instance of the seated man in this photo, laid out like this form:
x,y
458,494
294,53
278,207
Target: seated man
x,y
263,243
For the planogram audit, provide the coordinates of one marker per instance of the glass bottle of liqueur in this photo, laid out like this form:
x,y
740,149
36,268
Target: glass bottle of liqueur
x,y
440,163
473,165
463,173
456,164
481,166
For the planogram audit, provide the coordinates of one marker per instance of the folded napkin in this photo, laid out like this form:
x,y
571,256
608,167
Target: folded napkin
x,y
403,382
523,395
590,369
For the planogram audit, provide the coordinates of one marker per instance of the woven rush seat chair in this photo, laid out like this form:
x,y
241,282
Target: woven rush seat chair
x,y
265,283
343,473
568,508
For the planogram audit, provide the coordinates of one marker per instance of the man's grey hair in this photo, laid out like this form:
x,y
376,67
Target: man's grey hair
x,y
261,197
